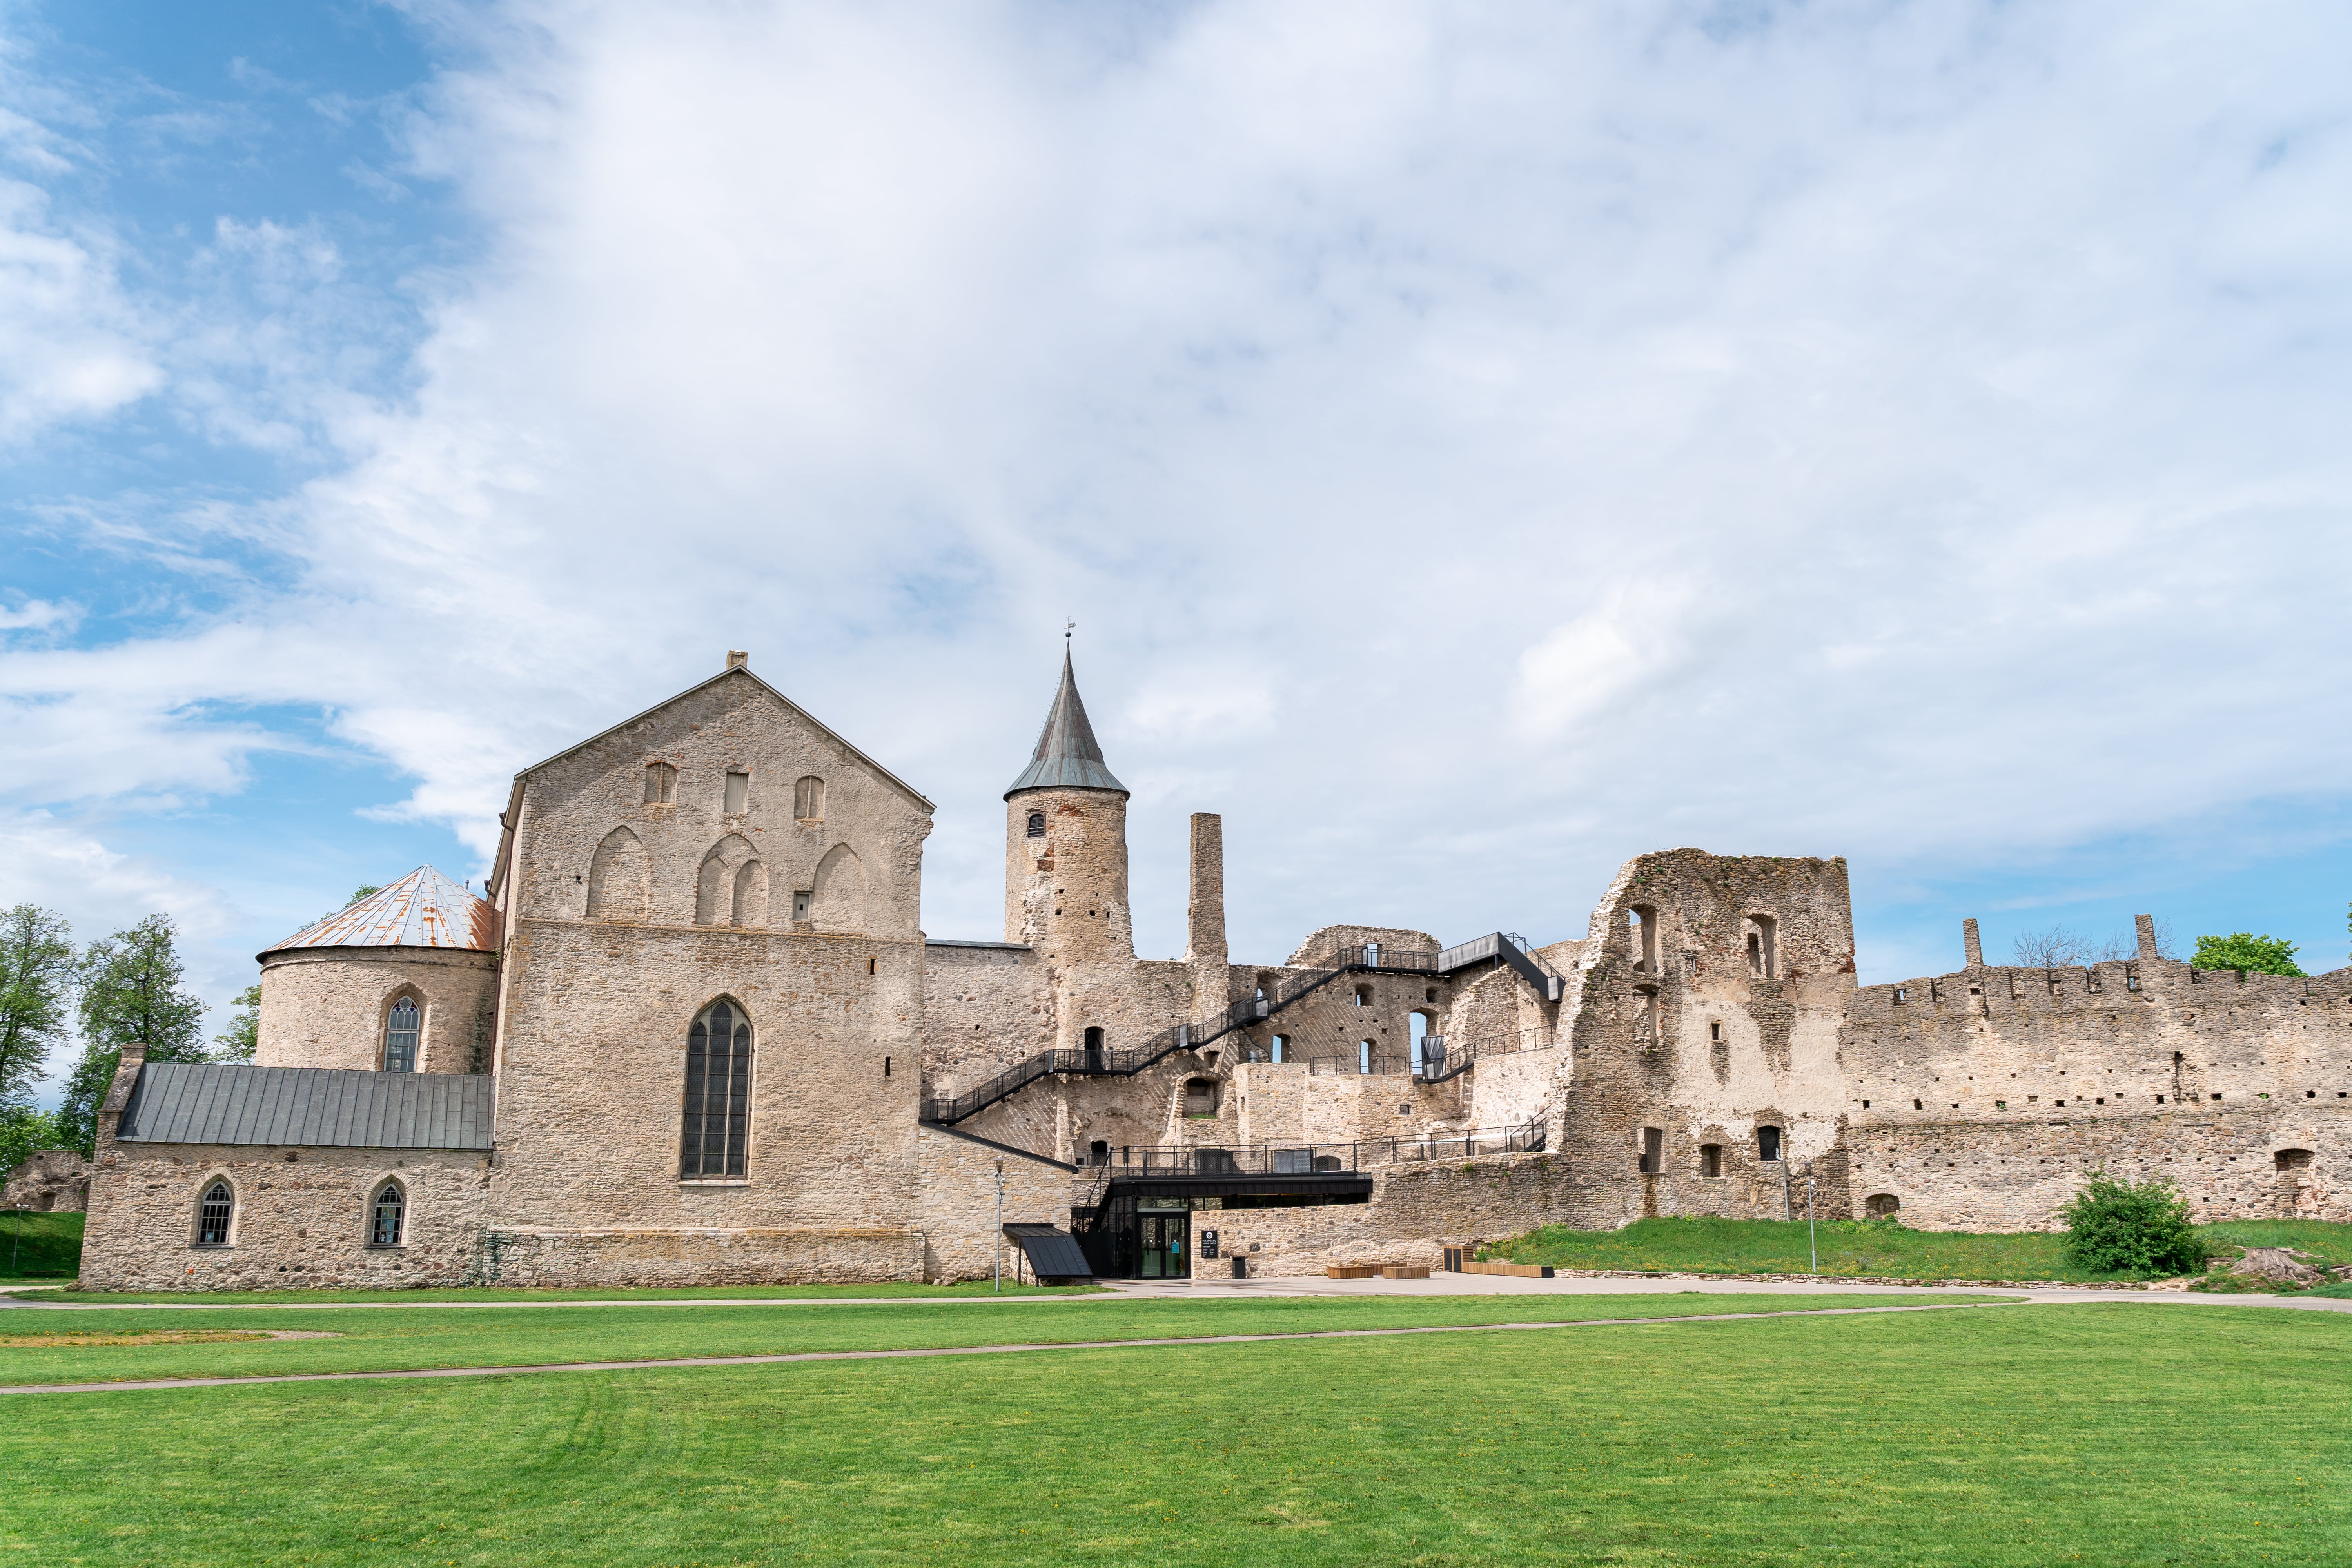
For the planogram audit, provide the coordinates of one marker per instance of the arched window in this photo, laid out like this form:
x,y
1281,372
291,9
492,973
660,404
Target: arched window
x,y
718,1121
661,784
808,798
1036,825
1768,1143
387,1216
1093,1039
214,1211
403,1027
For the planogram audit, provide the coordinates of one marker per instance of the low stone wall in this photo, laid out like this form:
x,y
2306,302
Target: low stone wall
x,y
300,1218
1415,1211
592,1259
957,1200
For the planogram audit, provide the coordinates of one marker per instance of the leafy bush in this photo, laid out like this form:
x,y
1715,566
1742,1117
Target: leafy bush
x,y
2243,950
2118,1227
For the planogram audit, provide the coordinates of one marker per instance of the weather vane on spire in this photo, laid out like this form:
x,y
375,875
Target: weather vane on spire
x,y
1068,627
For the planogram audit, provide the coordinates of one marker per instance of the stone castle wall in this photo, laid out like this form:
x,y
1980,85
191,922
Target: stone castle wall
x,y
301,1218
1978,1099
957,1200
593,1050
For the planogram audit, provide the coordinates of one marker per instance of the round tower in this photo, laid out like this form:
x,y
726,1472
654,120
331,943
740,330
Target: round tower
x,y
1065,844
404,981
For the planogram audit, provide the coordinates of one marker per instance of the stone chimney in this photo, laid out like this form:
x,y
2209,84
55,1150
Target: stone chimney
x,y
1973,943
2147,924
117,1095
1204,920
737,658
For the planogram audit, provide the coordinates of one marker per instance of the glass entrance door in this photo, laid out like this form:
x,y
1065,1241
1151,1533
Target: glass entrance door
x,y
1165,1238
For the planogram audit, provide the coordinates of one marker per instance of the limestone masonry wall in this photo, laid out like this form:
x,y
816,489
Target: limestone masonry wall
x,y
301,1218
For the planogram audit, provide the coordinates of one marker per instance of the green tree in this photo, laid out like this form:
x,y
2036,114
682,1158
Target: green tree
x,y
25,1132
129,991
36,982
2240,949
244,1032
2116,1228
366,889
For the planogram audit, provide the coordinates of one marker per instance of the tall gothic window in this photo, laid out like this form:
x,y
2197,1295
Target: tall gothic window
x,y
214,1211
661,784
401,1028
386,1215
1036,825
718,1095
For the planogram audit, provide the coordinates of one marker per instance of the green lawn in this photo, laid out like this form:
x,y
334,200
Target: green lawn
x,y
1859,1250
699,1293
454,1336
2118,1433
37,1246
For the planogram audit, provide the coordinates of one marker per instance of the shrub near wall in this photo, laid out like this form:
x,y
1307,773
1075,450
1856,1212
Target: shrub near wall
x,y
2119,1227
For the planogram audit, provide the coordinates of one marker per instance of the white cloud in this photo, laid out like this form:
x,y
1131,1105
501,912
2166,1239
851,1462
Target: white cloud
x,y
1864,430
69,345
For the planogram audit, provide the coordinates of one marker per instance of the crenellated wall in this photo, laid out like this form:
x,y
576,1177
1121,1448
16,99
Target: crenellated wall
x,y
1977,1100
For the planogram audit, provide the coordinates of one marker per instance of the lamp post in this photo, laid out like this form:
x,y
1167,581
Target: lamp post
x,y
1811,1237
1000,1224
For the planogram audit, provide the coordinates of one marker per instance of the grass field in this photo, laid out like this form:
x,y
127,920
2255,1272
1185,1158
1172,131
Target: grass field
x,y
39,1245
1860,1250
2116,1432
695,1293
454,1336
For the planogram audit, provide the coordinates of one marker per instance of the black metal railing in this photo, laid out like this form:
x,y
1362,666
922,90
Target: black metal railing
x,y
1299,981
1320,1159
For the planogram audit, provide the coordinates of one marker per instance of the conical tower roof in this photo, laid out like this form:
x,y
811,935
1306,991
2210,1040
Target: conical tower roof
x,y
1067,756
424,909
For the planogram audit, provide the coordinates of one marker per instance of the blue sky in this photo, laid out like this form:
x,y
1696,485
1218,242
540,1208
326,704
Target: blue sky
x,y
1475,446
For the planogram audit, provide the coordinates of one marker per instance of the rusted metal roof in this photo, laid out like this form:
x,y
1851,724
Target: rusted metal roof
x,y
424,909
316,1108
1067,755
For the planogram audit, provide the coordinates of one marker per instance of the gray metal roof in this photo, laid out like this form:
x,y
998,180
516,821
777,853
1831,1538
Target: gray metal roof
x,y
316,1108
424,909
1052,1254
1067,756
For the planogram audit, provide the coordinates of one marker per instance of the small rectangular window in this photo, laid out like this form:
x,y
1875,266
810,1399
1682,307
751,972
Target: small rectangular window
x,y
801,901
739,793
1710,1160
1364,1058
1653,1142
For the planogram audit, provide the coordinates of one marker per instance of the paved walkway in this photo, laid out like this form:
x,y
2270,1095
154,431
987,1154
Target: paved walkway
x,y
1263,1290
975,1350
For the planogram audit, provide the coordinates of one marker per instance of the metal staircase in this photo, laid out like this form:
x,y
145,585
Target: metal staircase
x,y
1293,987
